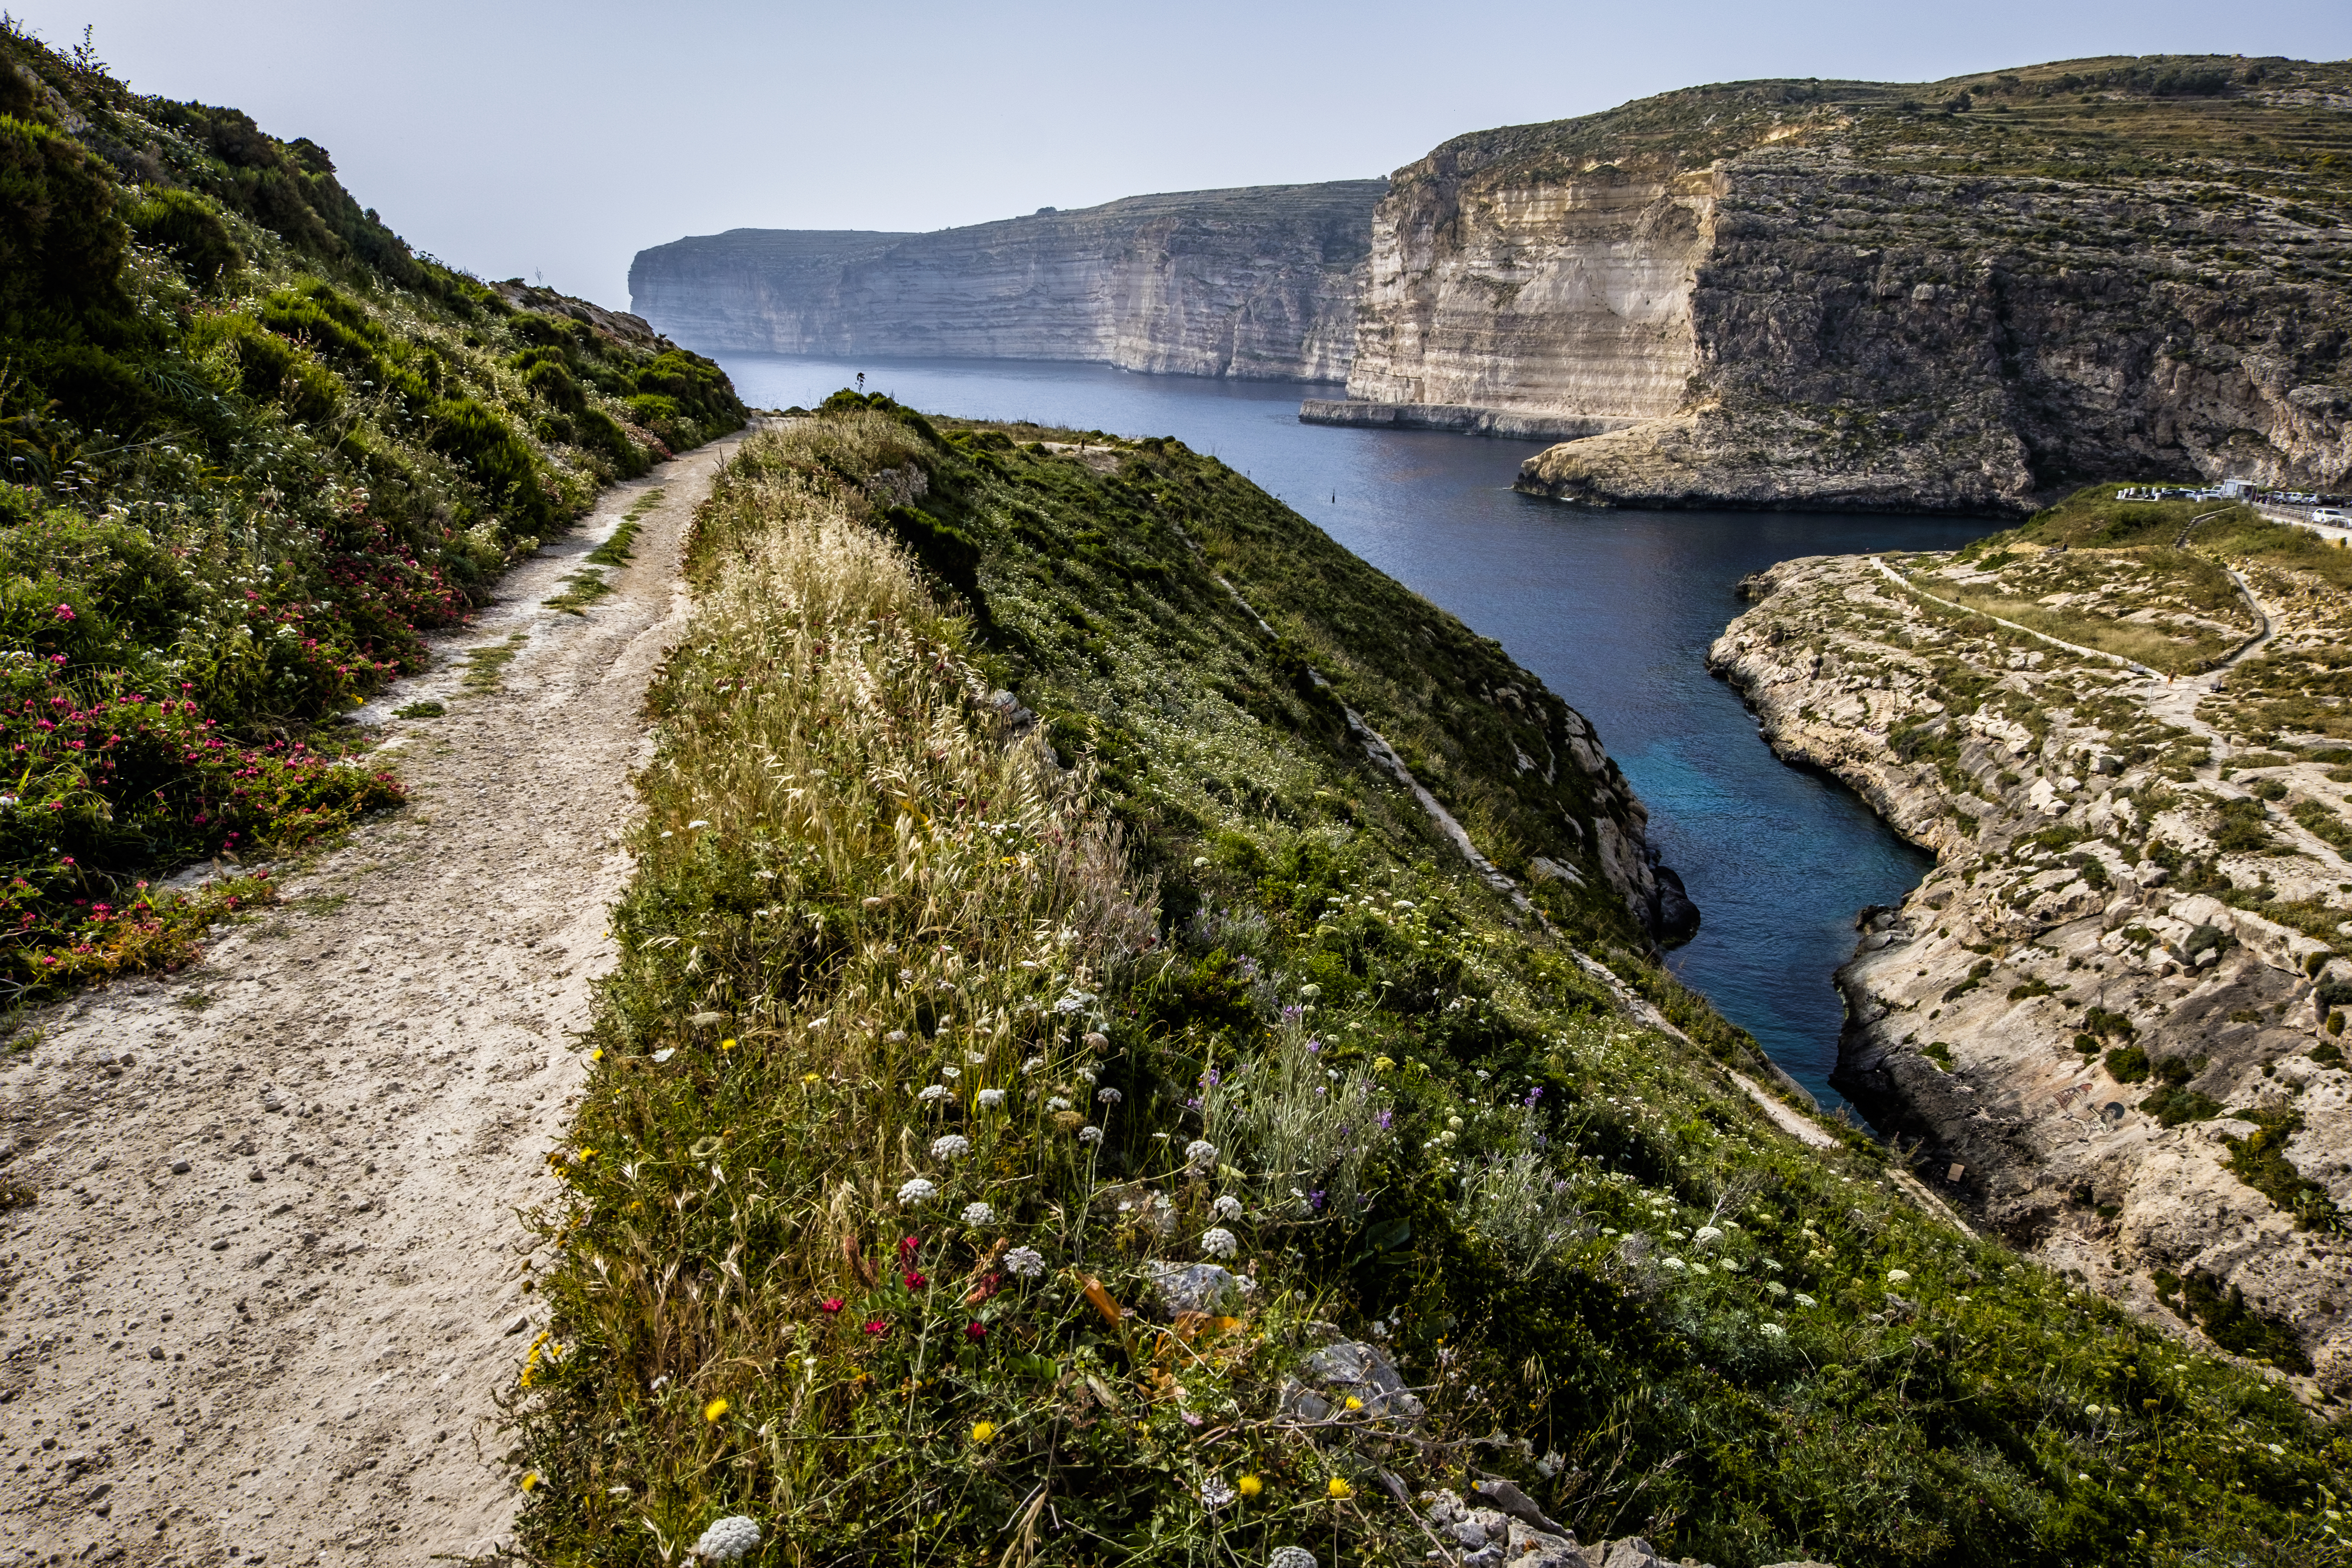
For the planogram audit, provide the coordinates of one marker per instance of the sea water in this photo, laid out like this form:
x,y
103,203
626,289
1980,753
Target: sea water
x,y
1613,609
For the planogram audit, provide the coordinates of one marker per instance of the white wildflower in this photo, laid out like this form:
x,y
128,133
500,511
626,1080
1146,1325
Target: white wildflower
x,y
1774,1287
973,1058
1772,1331
1729,1265
1218,1242
1700,1268
933,1092
1200,1154
1032,1064
1024,1261
1215,1494
728,1540
918,1191
951,1146
663,1054
1057,1103
1706,1234
1290,1557
1108,1096
952,1073
1801,1300
991,1098
1675,1263
979,1214
1899,1277
1090,1134
1227,1207
896,1037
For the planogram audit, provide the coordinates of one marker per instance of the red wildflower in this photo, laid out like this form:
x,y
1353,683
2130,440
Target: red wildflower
x,y
907,1245
974,1332
914,1281
876,1326
832,1304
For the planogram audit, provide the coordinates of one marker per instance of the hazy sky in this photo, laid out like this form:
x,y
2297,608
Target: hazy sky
x,y
533,138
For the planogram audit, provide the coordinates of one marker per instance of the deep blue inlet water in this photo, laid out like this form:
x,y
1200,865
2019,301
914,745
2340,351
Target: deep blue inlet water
x,y
1614,611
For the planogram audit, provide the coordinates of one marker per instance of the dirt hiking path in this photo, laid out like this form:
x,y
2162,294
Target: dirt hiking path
x,y
273,1278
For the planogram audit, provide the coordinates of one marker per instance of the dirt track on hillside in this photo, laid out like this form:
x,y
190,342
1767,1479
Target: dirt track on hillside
x,y
273,1279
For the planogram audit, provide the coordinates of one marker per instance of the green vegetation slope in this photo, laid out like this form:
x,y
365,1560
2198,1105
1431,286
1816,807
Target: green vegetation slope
x,y
942,1036
254,450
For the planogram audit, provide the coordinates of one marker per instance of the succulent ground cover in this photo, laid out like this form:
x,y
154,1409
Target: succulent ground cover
x,y
254,450
1019,934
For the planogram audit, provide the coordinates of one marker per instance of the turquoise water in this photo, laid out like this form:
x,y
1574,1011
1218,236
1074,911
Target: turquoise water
x,y
1614,610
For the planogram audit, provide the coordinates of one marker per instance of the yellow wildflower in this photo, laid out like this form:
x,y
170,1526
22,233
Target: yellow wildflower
x,y
725,1044
529,1479
808,1078
1382,1064
714,1410
1249,1486
981,1431
1341,1489
1354,1403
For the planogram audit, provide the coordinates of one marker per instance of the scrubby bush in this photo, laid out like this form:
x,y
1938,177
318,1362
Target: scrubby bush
x,y
185,227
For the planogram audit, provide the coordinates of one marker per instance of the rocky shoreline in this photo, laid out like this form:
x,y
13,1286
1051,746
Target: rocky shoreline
x,y
2085,1026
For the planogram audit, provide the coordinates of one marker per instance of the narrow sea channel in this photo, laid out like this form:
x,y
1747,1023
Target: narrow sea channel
x,y
1613,610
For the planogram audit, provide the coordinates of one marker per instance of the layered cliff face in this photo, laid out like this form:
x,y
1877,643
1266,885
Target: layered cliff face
x,y
1254,283
2112,1020
1963,297
1572,298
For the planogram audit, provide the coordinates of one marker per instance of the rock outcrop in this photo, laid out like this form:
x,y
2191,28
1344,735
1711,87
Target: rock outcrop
x,y
2110,1021
1963,297
1252,283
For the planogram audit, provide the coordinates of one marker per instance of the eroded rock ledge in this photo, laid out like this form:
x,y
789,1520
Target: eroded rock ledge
x,y
2087,1024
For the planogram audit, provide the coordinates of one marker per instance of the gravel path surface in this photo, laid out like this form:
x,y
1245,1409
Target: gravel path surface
x,y
273,1279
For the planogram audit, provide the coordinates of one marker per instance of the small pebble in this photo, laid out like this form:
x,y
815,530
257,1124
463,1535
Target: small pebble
x,y
179,1167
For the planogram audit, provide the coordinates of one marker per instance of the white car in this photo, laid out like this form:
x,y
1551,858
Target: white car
x,y
2332,515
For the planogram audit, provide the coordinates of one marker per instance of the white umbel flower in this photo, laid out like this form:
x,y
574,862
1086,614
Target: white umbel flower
x,y
1200,1154
1108,1096
1218,1242
1026,1262
1227,1207
728,1540
1706,1234
991,1098
918,1191
951,1146
1090,1134
979,1214
934,1092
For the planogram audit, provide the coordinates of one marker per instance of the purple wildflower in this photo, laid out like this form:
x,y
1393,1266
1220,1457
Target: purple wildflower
x,y
1385,1119
1314,1199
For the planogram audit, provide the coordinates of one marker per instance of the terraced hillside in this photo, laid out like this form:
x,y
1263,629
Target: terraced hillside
x,y
2113,1017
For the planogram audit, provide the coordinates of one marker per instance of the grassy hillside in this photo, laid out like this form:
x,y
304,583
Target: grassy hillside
x,y
938,1034
254,448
